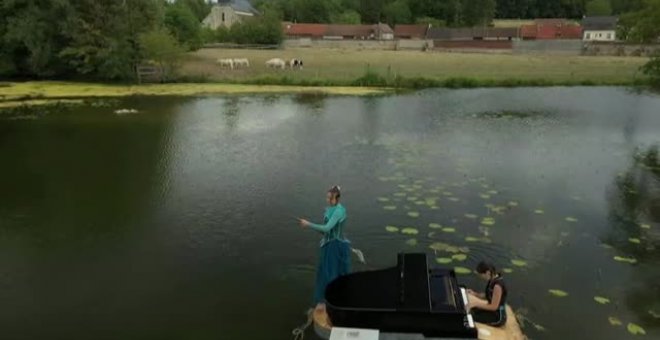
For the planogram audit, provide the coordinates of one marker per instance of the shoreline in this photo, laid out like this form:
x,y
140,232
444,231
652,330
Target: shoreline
x,y
34,93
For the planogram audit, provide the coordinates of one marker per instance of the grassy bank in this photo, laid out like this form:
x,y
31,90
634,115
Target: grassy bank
x,y
42,92
332,67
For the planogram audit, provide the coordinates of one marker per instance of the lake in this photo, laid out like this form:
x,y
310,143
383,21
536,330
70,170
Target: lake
x,y
177,222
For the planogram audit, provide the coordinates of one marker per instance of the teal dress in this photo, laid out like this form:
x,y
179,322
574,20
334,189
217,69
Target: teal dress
x,y
335,252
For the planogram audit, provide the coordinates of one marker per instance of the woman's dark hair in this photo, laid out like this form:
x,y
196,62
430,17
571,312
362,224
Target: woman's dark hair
x,y
335,190
483,267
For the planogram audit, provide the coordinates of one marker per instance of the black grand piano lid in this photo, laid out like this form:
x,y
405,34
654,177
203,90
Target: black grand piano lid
x,y
408,287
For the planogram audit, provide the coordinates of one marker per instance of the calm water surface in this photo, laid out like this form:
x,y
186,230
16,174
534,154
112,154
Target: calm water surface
x,y
177,222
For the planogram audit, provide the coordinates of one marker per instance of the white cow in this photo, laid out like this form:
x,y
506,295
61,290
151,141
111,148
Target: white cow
x,y
226,63
276,63
240,62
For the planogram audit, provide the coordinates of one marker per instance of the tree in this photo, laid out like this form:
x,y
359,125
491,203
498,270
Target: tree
x,y
430,21
371,10
652,70
397,12
201,8
183,24
599,8
162,48
642,26
347,17
478,12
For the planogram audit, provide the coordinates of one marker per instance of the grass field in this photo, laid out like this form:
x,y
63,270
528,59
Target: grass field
x,y
343,66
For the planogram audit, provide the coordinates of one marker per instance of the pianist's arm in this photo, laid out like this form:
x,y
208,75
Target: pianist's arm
x,y
337,215
494,303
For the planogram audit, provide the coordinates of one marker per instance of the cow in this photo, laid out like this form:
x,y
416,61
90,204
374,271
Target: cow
x,y
226,63
276,63
296,63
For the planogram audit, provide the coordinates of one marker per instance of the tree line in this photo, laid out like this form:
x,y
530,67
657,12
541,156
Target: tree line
x,y
440,12
107,39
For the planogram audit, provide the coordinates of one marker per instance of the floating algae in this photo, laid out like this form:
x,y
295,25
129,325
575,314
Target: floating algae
x,y
614,321
445,247
412,198
518,263
383,199
420,203
413,214
449,230
412,242
492,192
453,199
400,194
635,329
462,270
507,270
630,260
409,231
471,216
434,226
557,292
645,226
488,221
484,196
390,207
471,239
392,229
539,211
571,219
601,300
513,204
634,240
443,260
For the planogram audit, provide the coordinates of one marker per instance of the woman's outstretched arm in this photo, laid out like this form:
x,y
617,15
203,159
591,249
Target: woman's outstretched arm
x,y
337,215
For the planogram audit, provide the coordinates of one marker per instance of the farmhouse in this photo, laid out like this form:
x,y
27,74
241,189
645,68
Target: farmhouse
x,y
226,13
600,28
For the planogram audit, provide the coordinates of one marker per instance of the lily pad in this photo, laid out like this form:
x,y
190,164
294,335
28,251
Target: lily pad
x,y
434,207
539,211
635,329
601,300
459,257
400,194
412,242
390,207
412,198
447,193
462,270
645,226
392,229
630,260
558,292
434,226
453,199
488,221
413,214
519,263
654,314
614,321
507,270
420,202
471,239
492,192
445,247
449,230
571,219
471,216
484,196
634,240
443,260
513,204
383,199
409,231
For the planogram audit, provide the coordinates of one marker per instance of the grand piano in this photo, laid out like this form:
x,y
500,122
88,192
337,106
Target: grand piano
x,y
408,298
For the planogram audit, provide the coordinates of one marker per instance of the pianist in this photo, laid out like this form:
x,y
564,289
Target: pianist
x,y
335,252
489,307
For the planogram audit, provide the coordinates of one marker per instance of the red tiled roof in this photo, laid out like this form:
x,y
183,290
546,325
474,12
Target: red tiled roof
x,y
305,30
410,31
571,32
349,30
528,31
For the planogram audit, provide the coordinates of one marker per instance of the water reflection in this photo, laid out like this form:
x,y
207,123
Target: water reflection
x,y
634,214
313,101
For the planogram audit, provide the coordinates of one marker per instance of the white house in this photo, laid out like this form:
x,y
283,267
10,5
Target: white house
x,y
599,28
228,12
